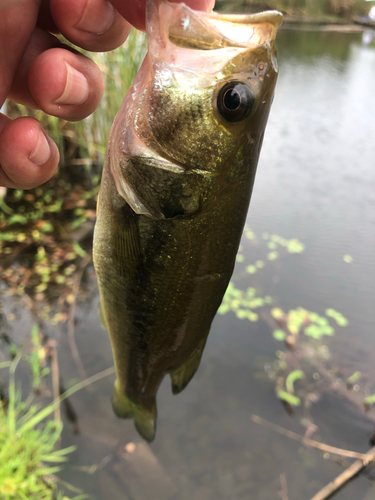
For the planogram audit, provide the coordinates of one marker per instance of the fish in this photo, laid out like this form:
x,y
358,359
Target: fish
x,y
175,190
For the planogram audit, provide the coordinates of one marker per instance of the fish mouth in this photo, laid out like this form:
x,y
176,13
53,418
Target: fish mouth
x,y
189,28
236,27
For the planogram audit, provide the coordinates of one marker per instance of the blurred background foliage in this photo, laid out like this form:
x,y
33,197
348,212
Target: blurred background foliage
x,y
315,8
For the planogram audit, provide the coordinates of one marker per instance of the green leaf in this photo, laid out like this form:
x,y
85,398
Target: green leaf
x,y
251,269
295,246
223,309
272,255
17,219
277,313
241,314
354,378
369,400
291,378
279,335
289,398
78,249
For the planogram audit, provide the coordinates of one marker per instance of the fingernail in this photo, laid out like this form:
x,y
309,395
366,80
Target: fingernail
x,y
42,150
76,88
97,17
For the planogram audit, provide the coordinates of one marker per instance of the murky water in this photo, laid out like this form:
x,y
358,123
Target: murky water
x,y
316,183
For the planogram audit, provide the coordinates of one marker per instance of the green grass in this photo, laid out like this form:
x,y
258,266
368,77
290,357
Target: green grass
x,y
29,459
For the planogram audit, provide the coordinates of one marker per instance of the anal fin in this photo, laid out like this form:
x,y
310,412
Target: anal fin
x,y
144,418
182,376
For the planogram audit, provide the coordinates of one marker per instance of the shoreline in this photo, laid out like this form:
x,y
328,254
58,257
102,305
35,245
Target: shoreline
x,y
323,24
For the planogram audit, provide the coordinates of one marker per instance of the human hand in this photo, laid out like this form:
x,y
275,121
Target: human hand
x,y
40,72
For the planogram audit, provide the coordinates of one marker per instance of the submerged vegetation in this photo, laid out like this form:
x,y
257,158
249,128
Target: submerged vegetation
x,y
303,370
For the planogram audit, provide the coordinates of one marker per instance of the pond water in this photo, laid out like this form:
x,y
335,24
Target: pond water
x,y
315,182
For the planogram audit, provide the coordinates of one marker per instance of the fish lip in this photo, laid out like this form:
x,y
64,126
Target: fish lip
x,y
264,26
273,17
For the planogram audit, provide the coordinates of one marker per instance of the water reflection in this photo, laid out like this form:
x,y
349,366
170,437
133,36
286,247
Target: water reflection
x,y
315,182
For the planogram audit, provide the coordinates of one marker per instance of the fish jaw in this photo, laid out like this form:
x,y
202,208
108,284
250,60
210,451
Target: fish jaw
x,y
191,55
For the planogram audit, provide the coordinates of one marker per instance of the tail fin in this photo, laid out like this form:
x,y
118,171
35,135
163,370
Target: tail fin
x,y
144,419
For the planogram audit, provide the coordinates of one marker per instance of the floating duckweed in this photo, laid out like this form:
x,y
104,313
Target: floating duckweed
x,y
241,303
296,318
354,378
253,317
277,313
240,257
260,264
272,255
249,234
257,302
251,269
279,335
317,331
295,246
348,259
265,236
337,316
369,400
242,314
271,245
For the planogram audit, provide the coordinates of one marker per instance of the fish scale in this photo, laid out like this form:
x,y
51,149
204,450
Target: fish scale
x,y
175,190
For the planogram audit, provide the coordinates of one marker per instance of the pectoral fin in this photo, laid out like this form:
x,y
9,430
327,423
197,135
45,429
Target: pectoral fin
x,y
144,418
182,376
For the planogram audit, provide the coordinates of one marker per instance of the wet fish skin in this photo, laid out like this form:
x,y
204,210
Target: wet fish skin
x,y
174,197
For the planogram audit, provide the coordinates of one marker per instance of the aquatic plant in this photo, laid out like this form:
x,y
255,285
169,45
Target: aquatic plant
x,y
28,439
26,447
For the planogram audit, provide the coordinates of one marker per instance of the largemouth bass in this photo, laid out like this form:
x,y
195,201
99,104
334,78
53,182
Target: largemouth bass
x,y
176,186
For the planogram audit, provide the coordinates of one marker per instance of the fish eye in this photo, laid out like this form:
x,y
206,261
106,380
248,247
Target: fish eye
x,y
235,101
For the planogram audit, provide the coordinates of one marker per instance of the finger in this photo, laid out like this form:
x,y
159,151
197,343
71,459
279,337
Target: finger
x,y
61,82
16,26
66,84
135,11
28,157
9,4
45,20
40,41
91,24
